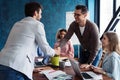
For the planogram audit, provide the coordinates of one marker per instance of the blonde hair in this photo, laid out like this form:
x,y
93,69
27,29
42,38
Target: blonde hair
x,y
114,44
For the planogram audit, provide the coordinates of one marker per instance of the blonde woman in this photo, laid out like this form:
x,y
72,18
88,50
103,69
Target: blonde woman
x,y
111,62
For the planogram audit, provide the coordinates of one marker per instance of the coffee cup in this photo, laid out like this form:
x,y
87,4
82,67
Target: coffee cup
x,y
62,64
55,60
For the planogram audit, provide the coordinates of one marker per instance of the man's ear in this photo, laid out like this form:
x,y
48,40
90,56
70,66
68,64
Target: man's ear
x,y
86,14
35,13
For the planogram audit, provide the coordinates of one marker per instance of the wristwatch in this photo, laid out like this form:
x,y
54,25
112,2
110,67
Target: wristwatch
x,y
104,72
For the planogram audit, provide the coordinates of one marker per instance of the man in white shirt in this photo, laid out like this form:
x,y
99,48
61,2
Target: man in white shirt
x,y
17,56
88,35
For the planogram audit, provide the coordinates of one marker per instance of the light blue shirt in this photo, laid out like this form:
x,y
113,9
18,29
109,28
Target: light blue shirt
x,y
111,65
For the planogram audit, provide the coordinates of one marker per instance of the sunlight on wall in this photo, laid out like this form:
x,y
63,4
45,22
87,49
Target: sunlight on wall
x,y
118,17
106,13
118,25
69,20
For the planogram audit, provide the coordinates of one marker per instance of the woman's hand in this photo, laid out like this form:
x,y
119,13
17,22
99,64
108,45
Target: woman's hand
x,y
57,50
86,66
98,70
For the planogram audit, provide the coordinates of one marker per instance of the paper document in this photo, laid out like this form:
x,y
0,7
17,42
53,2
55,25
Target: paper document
x,y
67,63
39,59
56,75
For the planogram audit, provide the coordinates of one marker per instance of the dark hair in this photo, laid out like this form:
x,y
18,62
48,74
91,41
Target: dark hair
x,y
83,8
31,7
62,30
59,32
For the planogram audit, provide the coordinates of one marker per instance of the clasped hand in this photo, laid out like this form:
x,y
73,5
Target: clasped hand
x,y
57,50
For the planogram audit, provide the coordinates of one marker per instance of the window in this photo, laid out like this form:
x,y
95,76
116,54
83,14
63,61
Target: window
x,y
118,17
69,20
108,20
106,13
117,4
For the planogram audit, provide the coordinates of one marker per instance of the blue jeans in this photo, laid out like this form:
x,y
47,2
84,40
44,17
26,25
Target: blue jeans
x,y
7,73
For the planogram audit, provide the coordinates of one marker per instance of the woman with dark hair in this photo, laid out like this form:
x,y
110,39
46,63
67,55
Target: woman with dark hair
x,y
67,50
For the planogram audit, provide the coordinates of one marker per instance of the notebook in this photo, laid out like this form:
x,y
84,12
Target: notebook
x,y
89,75
56,75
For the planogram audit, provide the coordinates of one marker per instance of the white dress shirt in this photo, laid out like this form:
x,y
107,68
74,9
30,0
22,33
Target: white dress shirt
x,y
21,47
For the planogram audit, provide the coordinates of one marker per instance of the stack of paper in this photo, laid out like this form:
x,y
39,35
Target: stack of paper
x,y
56,75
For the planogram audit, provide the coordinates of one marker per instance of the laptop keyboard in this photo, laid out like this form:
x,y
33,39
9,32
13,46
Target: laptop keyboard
x,y
86,76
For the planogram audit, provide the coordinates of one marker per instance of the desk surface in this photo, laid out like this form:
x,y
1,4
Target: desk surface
x,y
68,70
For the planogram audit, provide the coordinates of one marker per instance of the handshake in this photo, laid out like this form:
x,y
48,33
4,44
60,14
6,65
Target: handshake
x,y
57,50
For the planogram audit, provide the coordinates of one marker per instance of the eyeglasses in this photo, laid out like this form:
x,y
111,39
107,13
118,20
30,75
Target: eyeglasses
x,y
75,14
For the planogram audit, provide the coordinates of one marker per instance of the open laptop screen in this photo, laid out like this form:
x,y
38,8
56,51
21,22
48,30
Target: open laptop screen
x,y
76,68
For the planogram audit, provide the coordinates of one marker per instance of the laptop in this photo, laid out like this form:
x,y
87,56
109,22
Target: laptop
x,y
84,75
43,61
